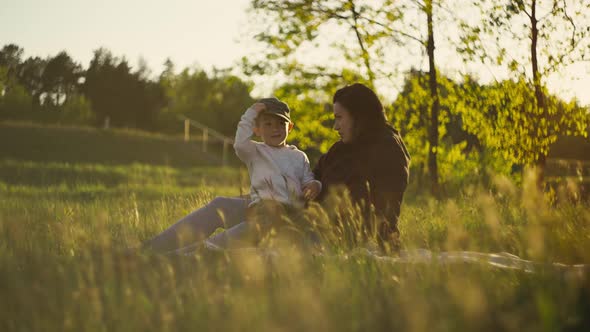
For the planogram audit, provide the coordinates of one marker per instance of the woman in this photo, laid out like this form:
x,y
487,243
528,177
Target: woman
x,y
370,160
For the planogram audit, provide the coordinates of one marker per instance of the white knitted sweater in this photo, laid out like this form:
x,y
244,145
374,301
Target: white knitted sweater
x,y
276,173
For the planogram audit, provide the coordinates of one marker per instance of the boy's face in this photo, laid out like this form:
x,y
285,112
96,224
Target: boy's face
x,y
273,129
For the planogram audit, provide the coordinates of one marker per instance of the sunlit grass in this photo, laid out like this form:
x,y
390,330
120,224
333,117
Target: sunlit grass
x,y
64,228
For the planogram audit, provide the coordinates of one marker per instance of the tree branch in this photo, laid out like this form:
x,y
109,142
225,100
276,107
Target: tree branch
x,y
571,20
393,31
366,59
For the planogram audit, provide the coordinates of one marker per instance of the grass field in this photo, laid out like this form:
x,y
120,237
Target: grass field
x,y
64,226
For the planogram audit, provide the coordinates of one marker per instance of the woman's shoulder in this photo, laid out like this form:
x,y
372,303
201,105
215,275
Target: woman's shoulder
x,y
334,154
390,146
336,146
335,149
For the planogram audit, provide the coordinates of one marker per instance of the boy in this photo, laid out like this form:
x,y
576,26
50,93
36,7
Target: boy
x,y
280,175
278,172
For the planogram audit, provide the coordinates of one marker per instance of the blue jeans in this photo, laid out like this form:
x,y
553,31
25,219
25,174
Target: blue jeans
x,y
189,232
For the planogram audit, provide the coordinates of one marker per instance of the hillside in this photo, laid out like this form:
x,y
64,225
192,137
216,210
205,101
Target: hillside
x,y
42,143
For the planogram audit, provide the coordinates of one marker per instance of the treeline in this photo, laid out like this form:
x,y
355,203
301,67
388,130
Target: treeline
x,y
481,128
58,89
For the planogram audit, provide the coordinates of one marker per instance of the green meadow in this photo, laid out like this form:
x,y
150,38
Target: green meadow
x,y
73,199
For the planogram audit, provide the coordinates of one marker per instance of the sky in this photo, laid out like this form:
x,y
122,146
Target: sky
x,y
203,33
190,32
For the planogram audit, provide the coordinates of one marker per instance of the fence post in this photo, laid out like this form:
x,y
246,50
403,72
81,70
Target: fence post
x,y
107,122
205,139
187,126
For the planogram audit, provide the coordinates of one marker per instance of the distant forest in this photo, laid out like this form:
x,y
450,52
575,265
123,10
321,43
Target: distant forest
x,y
58,89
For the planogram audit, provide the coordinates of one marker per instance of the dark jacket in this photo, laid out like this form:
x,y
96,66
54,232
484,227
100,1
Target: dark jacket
x,y
374,168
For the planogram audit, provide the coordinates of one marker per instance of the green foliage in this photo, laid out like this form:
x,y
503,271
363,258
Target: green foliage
x,y
523,120
59,79
18,105
45,91
19,100
31,77
127,98
15,99
483,128
562,33
216,100
49,81
58,90
76,110
10,59
410,113
290,27
506,119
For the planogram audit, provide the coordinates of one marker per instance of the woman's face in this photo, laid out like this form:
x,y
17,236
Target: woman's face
x,y
343,123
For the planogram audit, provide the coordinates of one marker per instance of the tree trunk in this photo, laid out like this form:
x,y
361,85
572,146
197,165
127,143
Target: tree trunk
x,y
539,94
435,107
364,51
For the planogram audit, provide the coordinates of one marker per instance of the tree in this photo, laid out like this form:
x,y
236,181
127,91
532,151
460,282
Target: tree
x,y
127,98
427,8
556,35
166,78
14,101
14,97
375,28
410,113
292,25
59,78
11,58
31,77
500,115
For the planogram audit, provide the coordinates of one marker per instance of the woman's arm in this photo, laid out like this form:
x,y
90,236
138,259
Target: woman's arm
x,y
317,170
388,179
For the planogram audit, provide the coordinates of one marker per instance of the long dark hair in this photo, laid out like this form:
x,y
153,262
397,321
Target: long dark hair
x,y
364,106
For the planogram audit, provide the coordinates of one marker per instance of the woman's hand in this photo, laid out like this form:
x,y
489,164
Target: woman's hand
x,y
311,190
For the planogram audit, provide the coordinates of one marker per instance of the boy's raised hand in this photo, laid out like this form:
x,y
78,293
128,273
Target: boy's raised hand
x,y
311,190
259,107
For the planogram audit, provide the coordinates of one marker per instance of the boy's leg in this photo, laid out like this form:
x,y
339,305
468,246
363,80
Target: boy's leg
x,y
198,225
240,235
260,218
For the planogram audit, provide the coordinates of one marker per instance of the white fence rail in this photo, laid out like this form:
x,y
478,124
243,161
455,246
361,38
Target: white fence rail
x,y
206,135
